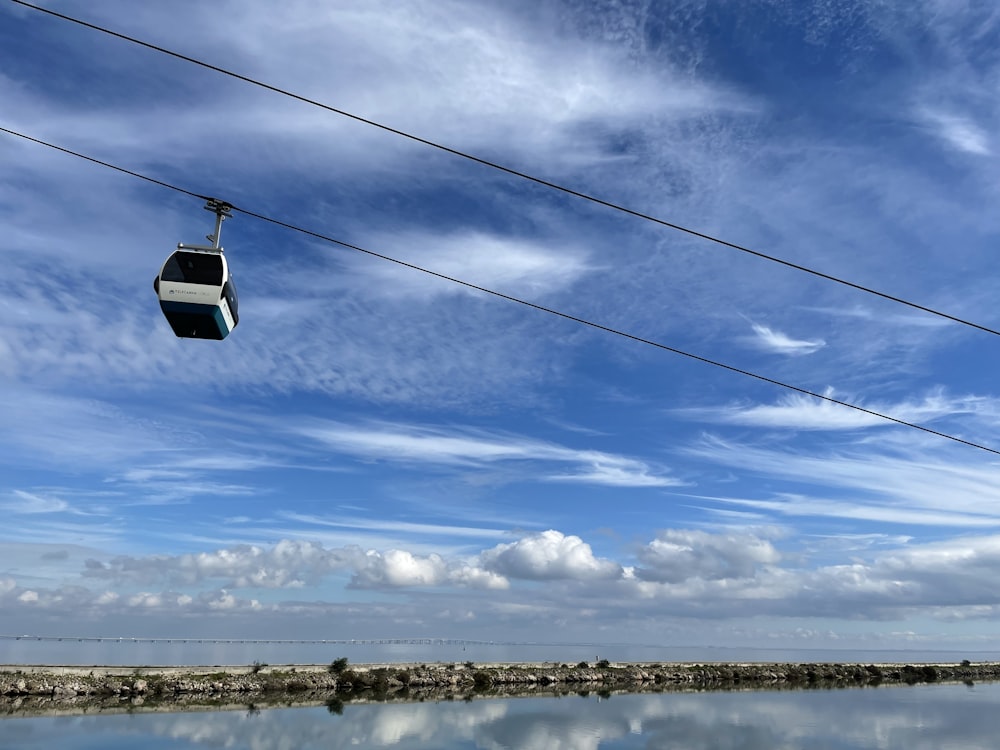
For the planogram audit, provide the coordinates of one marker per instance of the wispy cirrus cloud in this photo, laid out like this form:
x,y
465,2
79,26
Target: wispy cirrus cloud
x,y
21,502
458,448
531,267
407,528
776,342
885,485
884,161
798,412
961,133
879,511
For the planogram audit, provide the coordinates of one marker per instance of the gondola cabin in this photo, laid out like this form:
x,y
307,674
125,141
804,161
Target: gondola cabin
x,y
197,294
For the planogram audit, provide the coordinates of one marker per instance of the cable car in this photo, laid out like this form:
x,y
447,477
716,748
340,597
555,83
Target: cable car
x,y
196,291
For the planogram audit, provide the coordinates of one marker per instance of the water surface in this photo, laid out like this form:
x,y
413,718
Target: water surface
x,y
238,652
887,718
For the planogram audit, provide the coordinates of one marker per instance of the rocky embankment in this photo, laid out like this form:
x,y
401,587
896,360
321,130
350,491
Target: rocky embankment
x,y
151,685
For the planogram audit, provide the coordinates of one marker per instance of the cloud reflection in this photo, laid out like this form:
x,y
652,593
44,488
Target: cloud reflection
x,y
889,718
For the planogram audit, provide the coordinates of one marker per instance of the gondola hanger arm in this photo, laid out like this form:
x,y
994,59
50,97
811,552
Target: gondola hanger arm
x,y
222,211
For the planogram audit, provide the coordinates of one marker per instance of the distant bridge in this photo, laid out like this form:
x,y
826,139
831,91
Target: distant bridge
x,y
289,641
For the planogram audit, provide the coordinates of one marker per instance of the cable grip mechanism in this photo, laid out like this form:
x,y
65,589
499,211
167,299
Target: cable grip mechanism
x,y
222,211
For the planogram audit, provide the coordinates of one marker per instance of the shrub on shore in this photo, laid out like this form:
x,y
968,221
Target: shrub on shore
x,y
352,678
337,666
482,680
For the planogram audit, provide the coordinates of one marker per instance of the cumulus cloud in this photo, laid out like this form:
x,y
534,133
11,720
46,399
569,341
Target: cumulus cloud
x,y
474,576
677,555
399,568
733,572
549,555
717,577
292,564
288,564
82,601
680,573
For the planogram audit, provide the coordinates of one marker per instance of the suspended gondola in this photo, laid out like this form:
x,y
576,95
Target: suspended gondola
x,y
195,288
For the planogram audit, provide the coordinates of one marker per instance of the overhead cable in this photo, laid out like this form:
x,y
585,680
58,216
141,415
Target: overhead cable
x,y
510,298
514,172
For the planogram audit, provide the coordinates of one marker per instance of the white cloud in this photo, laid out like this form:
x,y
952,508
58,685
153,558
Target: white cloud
x,y
408,528
488,79
902,483
93,530
525,268
399,568
549,555
615,471
777,342
677,555
79,602
801,412
458,448
875,511
892,584
958,132
74,431
483,75
30,503
141,459
287,564
681,573
473,75
291,564
224,601
423,444
902,319
477,577
615,101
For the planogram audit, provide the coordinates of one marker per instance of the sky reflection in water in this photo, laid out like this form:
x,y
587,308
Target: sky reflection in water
x,y
929,716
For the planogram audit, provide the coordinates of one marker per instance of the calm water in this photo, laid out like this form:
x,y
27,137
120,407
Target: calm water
x,y
71,651
887,718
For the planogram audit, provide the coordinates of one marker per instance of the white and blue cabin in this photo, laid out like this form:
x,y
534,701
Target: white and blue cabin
x,y
197,294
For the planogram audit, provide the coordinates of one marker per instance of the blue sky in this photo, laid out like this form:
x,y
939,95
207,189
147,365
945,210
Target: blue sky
x,y
374,451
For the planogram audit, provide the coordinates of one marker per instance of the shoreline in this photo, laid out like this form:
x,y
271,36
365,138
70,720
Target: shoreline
x,y
40,689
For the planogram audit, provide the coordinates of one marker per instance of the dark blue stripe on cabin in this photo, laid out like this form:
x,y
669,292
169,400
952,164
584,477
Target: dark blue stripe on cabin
x,y
189,320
